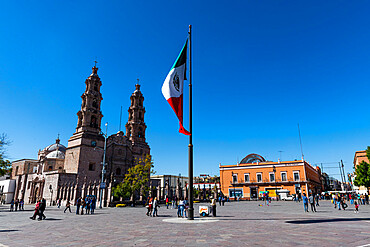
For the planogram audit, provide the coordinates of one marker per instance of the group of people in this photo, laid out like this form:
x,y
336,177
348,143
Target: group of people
x,y
313,199
88,204
17,204
39,210
152,207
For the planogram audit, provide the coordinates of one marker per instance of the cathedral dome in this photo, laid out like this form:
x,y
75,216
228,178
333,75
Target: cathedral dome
x,y
56,155
55,146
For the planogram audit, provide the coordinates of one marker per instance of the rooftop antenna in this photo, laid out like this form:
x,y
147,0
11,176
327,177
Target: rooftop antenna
x,y
300,141
120,119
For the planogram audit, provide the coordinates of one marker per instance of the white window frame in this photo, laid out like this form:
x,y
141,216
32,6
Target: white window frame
x,y
235,175
259,173
270,176
249,177
281,176
299,177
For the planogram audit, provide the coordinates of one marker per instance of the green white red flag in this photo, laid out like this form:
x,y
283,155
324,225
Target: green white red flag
x,y
173,85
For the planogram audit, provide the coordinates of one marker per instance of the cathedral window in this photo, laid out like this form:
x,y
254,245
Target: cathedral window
x,y
96,87
50,168
94,104
91,167
60,168
118,171
93,121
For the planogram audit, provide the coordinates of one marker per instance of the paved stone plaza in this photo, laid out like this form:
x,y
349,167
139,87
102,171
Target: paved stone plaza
x,y
238,224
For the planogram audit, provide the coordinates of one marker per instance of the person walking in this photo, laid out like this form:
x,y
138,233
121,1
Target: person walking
x,y
167,201
83,205
42,209
180,208
16,205
36,212
305,202
78,205
68,206
93,205
12,205
150,207
223,200
312,203
339,202
59,202
21,205
155,207
220,200
317,199
88,203
356,207
213,205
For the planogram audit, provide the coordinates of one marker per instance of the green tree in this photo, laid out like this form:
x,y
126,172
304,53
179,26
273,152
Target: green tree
x,y
136,180
362,172
5,165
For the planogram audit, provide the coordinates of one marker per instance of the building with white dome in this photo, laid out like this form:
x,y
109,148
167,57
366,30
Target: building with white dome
x,y
68,173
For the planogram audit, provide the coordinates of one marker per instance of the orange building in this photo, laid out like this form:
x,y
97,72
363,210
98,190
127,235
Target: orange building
x,y
254,175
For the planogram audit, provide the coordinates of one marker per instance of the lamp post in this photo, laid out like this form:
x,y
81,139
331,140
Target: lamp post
x,y
274,170
102,185
51,192
232,174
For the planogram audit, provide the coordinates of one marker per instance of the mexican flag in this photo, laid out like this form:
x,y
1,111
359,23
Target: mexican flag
x,y
172,88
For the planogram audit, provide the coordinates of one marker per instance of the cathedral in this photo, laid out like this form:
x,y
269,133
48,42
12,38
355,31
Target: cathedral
x,y
68,173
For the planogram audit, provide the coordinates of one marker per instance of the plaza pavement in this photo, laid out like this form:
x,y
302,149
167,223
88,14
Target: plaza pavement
x,y
237,224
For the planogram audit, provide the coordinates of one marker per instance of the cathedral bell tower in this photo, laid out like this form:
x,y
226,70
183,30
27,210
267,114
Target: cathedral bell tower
x,y
136,127
85,147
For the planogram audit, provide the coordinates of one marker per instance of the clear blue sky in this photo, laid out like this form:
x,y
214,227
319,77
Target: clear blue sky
x,y
259,68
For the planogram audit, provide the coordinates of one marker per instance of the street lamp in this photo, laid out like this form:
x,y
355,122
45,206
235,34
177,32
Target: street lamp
x,y
51,192
274,170
102,185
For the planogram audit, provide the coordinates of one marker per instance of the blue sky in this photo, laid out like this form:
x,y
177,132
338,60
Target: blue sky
x,y
259,68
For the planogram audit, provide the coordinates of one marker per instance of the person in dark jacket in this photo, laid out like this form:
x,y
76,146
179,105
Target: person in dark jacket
x,y
42,209
78,204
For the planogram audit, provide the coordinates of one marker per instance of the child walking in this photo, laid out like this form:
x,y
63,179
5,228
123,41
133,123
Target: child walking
x,y
356,207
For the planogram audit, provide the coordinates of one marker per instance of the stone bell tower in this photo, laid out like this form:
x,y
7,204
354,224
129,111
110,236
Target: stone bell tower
x,y
85,147
136,127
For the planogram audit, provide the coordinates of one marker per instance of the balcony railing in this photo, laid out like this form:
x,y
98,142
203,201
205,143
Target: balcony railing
x,y
289,180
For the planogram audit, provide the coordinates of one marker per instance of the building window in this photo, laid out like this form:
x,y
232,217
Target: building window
x,y
246,177
50,168
91,167
296,176
272,177
259,177
283,176
235,192
118,171
235,178
16,170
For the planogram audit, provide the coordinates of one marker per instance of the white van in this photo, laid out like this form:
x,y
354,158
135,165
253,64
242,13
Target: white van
x,y
284,195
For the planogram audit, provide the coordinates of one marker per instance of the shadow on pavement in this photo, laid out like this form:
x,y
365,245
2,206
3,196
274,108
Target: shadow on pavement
x,y
310,221
52,219
8,231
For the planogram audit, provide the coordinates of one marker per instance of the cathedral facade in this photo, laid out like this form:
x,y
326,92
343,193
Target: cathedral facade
x,y
68,173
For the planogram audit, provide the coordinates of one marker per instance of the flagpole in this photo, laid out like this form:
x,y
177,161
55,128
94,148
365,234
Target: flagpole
x,y
191,208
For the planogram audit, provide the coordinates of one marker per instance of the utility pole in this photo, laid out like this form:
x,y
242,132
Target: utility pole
x,y
102,184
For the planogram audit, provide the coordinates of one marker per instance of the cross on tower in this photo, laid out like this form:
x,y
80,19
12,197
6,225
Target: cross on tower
x,y
137,80
95,63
